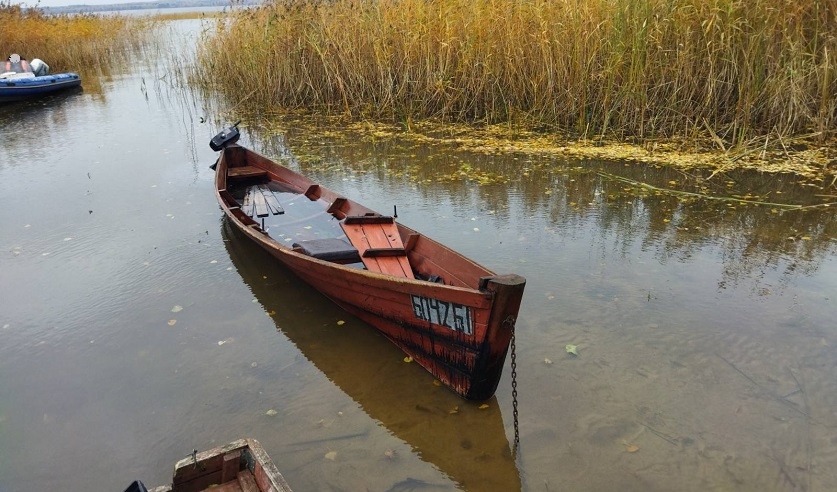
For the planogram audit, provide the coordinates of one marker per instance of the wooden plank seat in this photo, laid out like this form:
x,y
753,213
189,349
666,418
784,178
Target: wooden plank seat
x,y
243,172
378,241
331,249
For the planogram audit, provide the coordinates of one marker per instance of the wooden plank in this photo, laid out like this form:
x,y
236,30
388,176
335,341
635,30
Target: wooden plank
x,y
270,199
226,487
199,483
378,235
243,172
313,192
369,219
247,206
260,205
412,239
378,252
336,204
247,481
230,466
189,469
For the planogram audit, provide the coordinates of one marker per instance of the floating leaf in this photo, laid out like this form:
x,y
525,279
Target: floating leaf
x,y
177,309
271,313
484,406
341,323
632,448
547,361
454,410
408,359
271,413
572,349
172,322
331,455
436,382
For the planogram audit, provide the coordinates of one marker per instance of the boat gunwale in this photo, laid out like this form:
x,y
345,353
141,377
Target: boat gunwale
x,y
264,238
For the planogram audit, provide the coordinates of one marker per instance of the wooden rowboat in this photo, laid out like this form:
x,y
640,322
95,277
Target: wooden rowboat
x,y
241,465
465,440
452,316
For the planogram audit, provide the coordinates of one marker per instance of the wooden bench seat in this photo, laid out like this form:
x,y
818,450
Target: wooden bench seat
x,y
377,240
244,172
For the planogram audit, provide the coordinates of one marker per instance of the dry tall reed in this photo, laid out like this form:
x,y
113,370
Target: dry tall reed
x,y
735,69
68,42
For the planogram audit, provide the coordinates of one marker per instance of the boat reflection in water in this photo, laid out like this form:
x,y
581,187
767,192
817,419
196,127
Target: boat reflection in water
x,y
465,440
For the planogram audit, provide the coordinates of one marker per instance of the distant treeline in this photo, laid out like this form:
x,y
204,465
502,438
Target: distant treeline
x,y
71,9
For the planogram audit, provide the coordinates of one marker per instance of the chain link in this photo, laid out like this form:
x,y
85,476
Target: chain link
x,y
514,395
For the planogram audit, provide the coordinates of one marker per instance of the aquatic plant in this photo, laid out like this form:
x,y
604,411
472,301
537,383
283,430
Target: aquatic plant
x,y
724,70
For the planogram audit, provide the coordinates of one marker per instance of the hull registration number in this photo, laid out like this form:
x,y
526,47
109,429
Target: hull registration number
x,y
449,314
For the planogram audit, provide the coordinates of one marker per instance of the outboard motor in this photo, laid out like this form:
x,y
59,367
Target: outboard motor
x,y
39,68
226,137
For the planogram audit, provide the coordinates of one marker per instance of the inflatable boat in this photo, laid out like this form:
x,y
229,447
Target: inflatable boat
x,y
20,79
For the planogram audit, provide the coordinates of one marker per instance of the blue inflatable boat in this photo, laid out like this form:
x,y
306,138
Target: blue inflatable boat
x,y
20,79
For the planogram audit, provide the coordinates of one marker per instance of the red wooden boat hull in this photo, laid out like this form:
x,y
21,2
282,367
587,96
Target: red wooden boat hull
x,y
459,330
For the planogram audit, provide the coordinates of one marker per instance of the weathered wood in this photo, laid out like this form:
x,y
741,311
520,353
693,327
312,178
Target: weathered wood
x,y
270,199
243,172
230,465
247,481
260,205
224,469
225,487
249,202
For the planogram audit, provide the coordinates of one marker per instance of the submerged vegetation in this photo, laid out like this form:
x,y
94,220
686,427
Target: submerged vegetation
x,y
68,42
726,74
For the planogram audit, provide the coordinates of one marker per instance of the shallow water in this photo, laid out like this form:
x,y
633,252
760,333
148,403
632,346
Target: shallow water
x,y
137,326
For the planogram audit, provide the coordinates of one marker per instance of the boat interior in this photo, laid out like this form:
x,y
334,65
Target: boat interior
x,y
317,227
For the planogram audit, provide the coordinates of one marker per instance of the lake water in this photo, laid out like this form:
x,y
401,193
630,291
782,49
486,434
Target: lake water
x,y
136,326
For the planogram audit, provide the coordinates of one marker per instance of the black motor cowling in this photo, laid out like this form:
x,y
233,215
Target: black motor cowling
x,y
229,136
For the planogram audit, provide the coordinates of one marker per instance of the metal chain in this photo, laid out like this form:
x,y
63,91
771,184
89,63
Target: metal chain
x,y
514,395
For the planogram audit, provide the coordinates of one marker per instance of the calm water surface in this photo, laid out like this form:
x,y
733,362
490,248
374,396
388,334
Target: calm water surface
x,y
137,326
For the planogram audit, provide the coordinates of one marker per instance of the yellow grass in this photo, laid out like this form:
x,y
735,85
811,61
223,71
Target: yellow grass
x,y
68,42
729,70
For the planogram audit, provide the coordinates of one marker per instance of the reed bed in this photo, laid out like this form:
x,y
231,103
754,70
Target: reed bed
x,y
69,42
732,70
